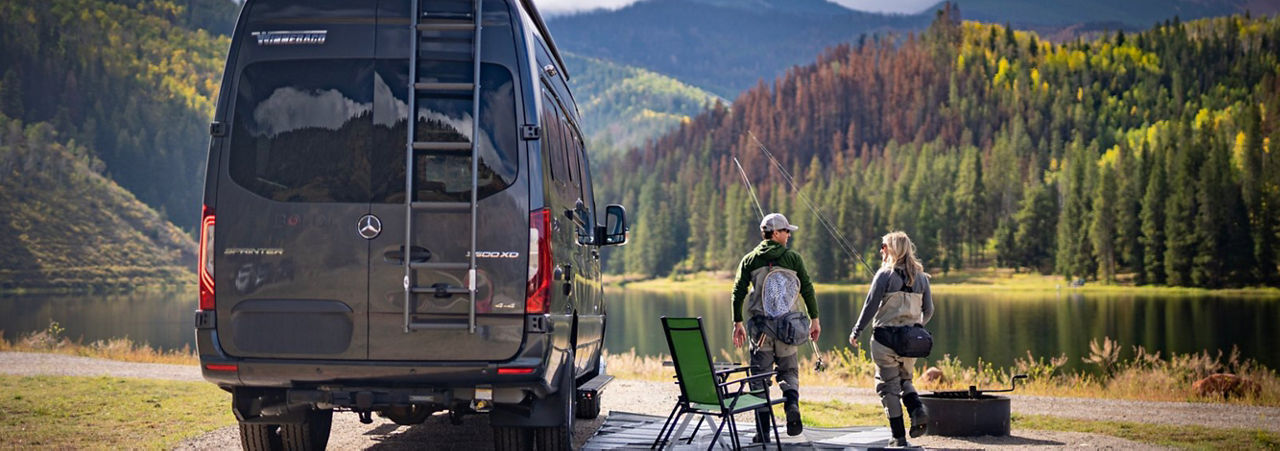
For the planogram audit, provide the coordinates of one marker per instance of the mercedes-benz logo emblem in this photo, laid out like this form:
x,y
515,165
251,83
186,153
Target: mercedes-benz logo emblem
x,y
369,227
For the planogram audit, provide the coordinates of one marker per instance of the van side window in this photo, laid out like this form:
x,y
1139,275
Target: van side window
x,y
551,136
588,194
566,137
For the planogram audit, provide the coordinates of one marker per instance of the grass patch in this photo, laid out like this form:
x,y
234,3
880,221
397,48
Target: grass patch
x,y
839,414
1174,436
52,340
1144,377
107,413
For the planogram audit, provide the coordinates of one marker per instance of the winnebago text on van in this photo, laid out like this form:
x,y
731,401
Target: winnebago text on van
x,y
339,280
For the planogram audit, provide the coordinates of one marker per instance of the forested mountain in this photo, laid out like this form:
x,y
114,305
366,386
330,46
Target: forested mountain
x,y
67,226
721,46
1148,155
127,82
1129,14
622,106
214,16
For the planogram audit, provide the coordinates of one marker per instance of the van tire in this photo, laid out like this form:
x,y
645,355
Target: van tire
x,y
511,438
559,438
312,434
260,437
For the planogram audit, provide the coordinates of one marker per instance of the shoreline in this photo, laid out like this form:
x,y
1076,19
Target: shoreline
x,y
968,281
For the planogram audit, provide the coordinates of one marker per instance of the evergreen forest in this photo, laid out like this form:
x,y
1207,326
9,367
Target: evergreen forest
x,y
128,80
1145,157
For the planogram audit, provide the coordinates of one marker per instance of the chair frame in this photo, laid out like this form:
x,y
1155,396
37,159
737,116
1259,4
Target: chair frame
x,y
726,412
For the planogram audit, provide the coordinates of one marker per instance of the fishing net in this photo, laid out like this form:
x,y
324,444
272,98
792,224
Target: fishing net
x,y
781,288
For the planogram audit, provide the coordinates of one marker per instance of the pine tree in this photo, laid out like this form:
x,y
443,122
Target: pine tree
x,y
1006,247
1180,212
1153,221
1035,222
1102,228
1075,249
1208,265
1132,180
1262,214
698,226
642,253
971,201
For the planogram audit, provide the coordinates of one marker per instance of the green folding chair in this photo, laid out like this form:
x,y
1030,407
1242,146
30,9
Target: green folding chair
x,y
704,390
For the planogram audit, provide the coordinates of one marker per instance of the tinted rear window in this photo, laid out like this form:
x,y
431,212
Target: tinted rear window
x,y
334,131
302,129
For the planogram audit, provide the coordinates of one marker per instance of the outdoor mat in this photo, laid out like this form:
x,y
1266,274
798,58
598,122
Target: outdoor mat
x,y
622,430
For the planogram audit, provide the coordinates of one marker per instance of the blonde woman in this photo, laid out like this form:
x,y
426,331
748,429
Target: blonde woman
x,y
899,295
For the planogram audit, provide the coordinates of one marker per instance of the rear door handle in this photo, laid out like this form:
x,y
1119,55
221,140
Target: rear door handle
x,y
417,254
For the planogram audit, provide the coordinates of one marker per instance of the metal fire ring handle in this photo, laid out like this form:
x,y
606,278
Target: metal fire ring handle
x,y
1013,384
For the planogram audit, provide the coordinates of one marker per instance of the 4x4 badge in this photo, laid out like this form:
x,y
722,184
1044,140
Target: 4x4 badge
x,y
369,227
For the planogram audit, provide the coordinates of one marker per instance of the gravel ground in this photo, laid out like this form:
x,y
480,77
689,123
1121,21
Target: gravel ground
x,y
656,398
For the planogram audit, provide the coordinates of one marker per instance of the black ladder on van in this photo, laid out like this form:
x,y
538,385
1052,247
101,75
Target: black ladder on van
x,y
441,17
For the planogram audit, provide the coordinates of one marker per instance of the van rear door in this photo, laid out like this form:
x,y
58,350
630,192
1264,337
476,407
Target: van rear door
x,y
293,189
502,238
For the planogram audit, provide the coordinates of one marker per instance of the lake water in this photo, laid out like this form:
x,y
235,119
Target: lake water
x,y
997,328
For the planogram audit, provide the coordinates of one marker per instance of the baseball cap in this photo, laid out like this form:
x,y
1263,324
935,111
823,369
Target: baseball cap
x,y
776,221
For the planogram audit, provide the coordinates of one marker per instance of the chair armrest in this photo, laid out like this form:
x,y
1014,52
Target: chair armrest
x,y
731,370
764,375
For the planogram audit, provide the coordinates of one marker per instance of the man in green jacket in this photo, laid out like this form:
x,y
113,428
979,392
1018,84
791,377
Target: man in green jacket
x,y
767,352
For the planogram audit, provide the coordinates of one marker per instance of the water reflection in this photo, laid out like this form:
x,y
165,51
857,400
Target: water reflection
x,y
997,328
161,319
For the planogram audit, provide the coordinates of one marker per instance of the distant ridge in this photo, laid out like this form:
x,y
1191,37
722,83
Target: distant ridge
x,y
719,45
622,106
66,227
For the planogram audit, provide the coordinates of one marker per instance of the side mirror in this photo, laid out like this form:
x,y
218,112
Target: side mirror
x,y
615,228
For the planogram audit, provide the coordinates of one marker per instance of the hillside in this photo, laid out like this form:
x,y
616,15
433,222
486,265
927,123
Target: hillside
x,y
130,83
1147,157
623,106
68,227
724,47
1130,14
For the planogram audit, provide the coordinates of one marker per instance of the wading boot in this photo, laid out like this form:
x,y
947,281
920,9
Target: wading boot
x,y
899,433
919,414
792,408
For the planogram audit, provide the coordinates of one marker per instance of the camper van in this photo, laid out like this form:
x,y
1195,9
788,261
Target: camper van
x,y
364,262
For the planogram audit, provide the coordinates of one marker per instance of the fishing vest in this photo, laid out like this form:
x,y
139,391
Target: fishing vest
x,y
900,308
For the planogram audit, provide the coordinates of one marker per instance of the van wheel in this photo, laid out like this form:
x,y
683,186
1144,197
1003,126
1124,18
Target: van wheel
x,y
561,437
511,438
260,437
312,434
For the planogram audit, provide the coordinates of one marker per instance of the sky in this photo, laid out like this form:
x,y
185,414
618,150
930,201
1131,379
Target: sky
x,y
551,7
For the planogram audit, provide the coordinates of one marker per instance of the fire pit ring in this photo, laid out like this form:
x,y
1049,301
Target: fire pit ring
x,y
969,413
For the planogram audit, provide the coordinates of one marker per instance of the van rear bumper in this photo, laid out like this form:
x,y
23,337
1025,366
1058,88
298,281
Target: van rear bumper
x,y
457,377
277,373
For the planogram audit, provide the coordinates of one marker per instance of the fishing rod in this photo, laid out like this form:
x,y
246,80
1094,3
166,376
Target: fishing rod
x,y
750,190
831,229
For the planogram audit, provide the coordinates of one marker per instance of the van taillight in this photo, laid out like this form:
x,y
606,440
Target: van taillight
x,y
538,291
206,259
